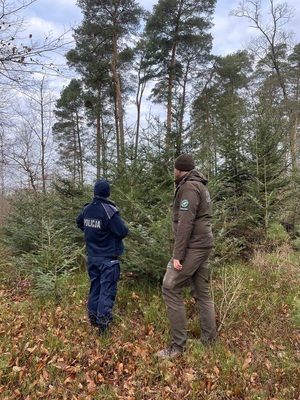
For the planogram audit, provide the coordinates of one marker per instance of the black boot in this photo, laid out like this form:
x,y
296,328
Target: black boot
x,y
93,321
103,330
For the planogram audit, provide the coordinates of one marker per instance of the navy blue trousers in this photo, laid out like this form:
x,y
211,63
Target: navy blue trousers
x,y
104,275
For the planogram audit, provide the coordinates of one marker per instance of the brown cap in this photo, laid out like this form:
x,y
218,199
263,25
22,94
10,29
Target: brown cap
x,y
184,162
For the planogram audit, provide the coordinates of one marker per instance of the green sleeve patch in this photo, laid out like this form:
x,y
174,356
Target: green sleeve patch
x,y
184,205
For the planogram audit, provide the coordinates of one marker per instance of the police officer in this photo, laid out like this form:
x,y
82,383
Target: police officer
x,y
191,218
103,230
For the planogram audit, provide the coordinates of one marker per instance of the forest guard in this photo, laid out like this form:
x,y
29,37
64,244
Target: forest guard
x,y
191,218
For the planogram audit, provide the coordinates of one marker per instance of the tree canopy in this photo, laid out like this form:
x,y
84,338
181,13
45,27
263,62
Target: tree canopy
x,y
237,114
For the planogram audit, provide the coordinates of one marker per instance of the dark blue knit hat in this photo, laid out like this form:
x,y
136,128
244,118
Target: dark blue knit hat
x,y
102,188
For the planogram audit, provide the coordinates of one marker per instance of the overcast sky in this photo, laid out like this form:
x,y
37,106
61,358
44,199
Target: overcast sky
x,y
230,33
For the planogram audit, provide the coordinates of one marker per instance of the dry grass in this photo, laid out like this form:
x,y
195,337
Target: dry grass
x,y
49,351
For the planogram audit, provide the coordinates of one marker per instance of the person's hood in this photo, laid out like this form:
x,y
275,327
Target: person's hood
x,y
193,175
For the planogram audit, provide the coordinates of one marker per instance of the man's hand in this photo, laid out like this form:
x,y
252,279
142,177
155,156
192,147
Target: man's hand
x,y
177,265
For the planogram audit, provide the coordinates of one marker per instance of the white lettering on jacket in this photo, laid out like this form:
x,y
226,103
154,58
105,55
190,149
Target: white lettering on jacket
x,y
92,223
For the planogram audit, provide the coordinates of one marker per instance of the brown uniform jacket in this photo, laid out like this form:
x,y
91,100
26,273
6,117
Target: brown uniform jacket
x,y
191,215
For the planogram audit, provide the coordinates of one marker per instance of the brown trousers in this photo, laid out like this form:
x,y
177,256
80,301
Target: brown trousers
x,y
194,274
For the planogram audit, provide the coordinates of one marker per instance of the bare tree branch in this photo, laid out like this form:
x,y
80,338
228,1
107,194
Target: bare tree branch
x,y
19,55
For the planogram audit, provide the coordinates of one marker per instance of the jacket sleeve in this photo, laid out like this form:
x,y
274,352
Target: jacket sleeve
x,y
79,222
117,226
80,219
188,205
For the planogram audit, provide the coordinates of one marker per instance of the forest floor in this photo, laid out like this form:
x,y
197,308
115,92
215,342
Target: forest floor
x,y
49,351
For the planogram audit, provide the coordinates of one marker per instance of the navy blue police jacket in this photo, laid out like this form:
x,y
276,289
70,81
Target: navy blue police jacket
x,y
103,228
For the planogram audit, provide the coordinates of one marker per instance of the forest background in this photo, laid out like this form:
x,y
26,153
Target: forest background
x,y
237,114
